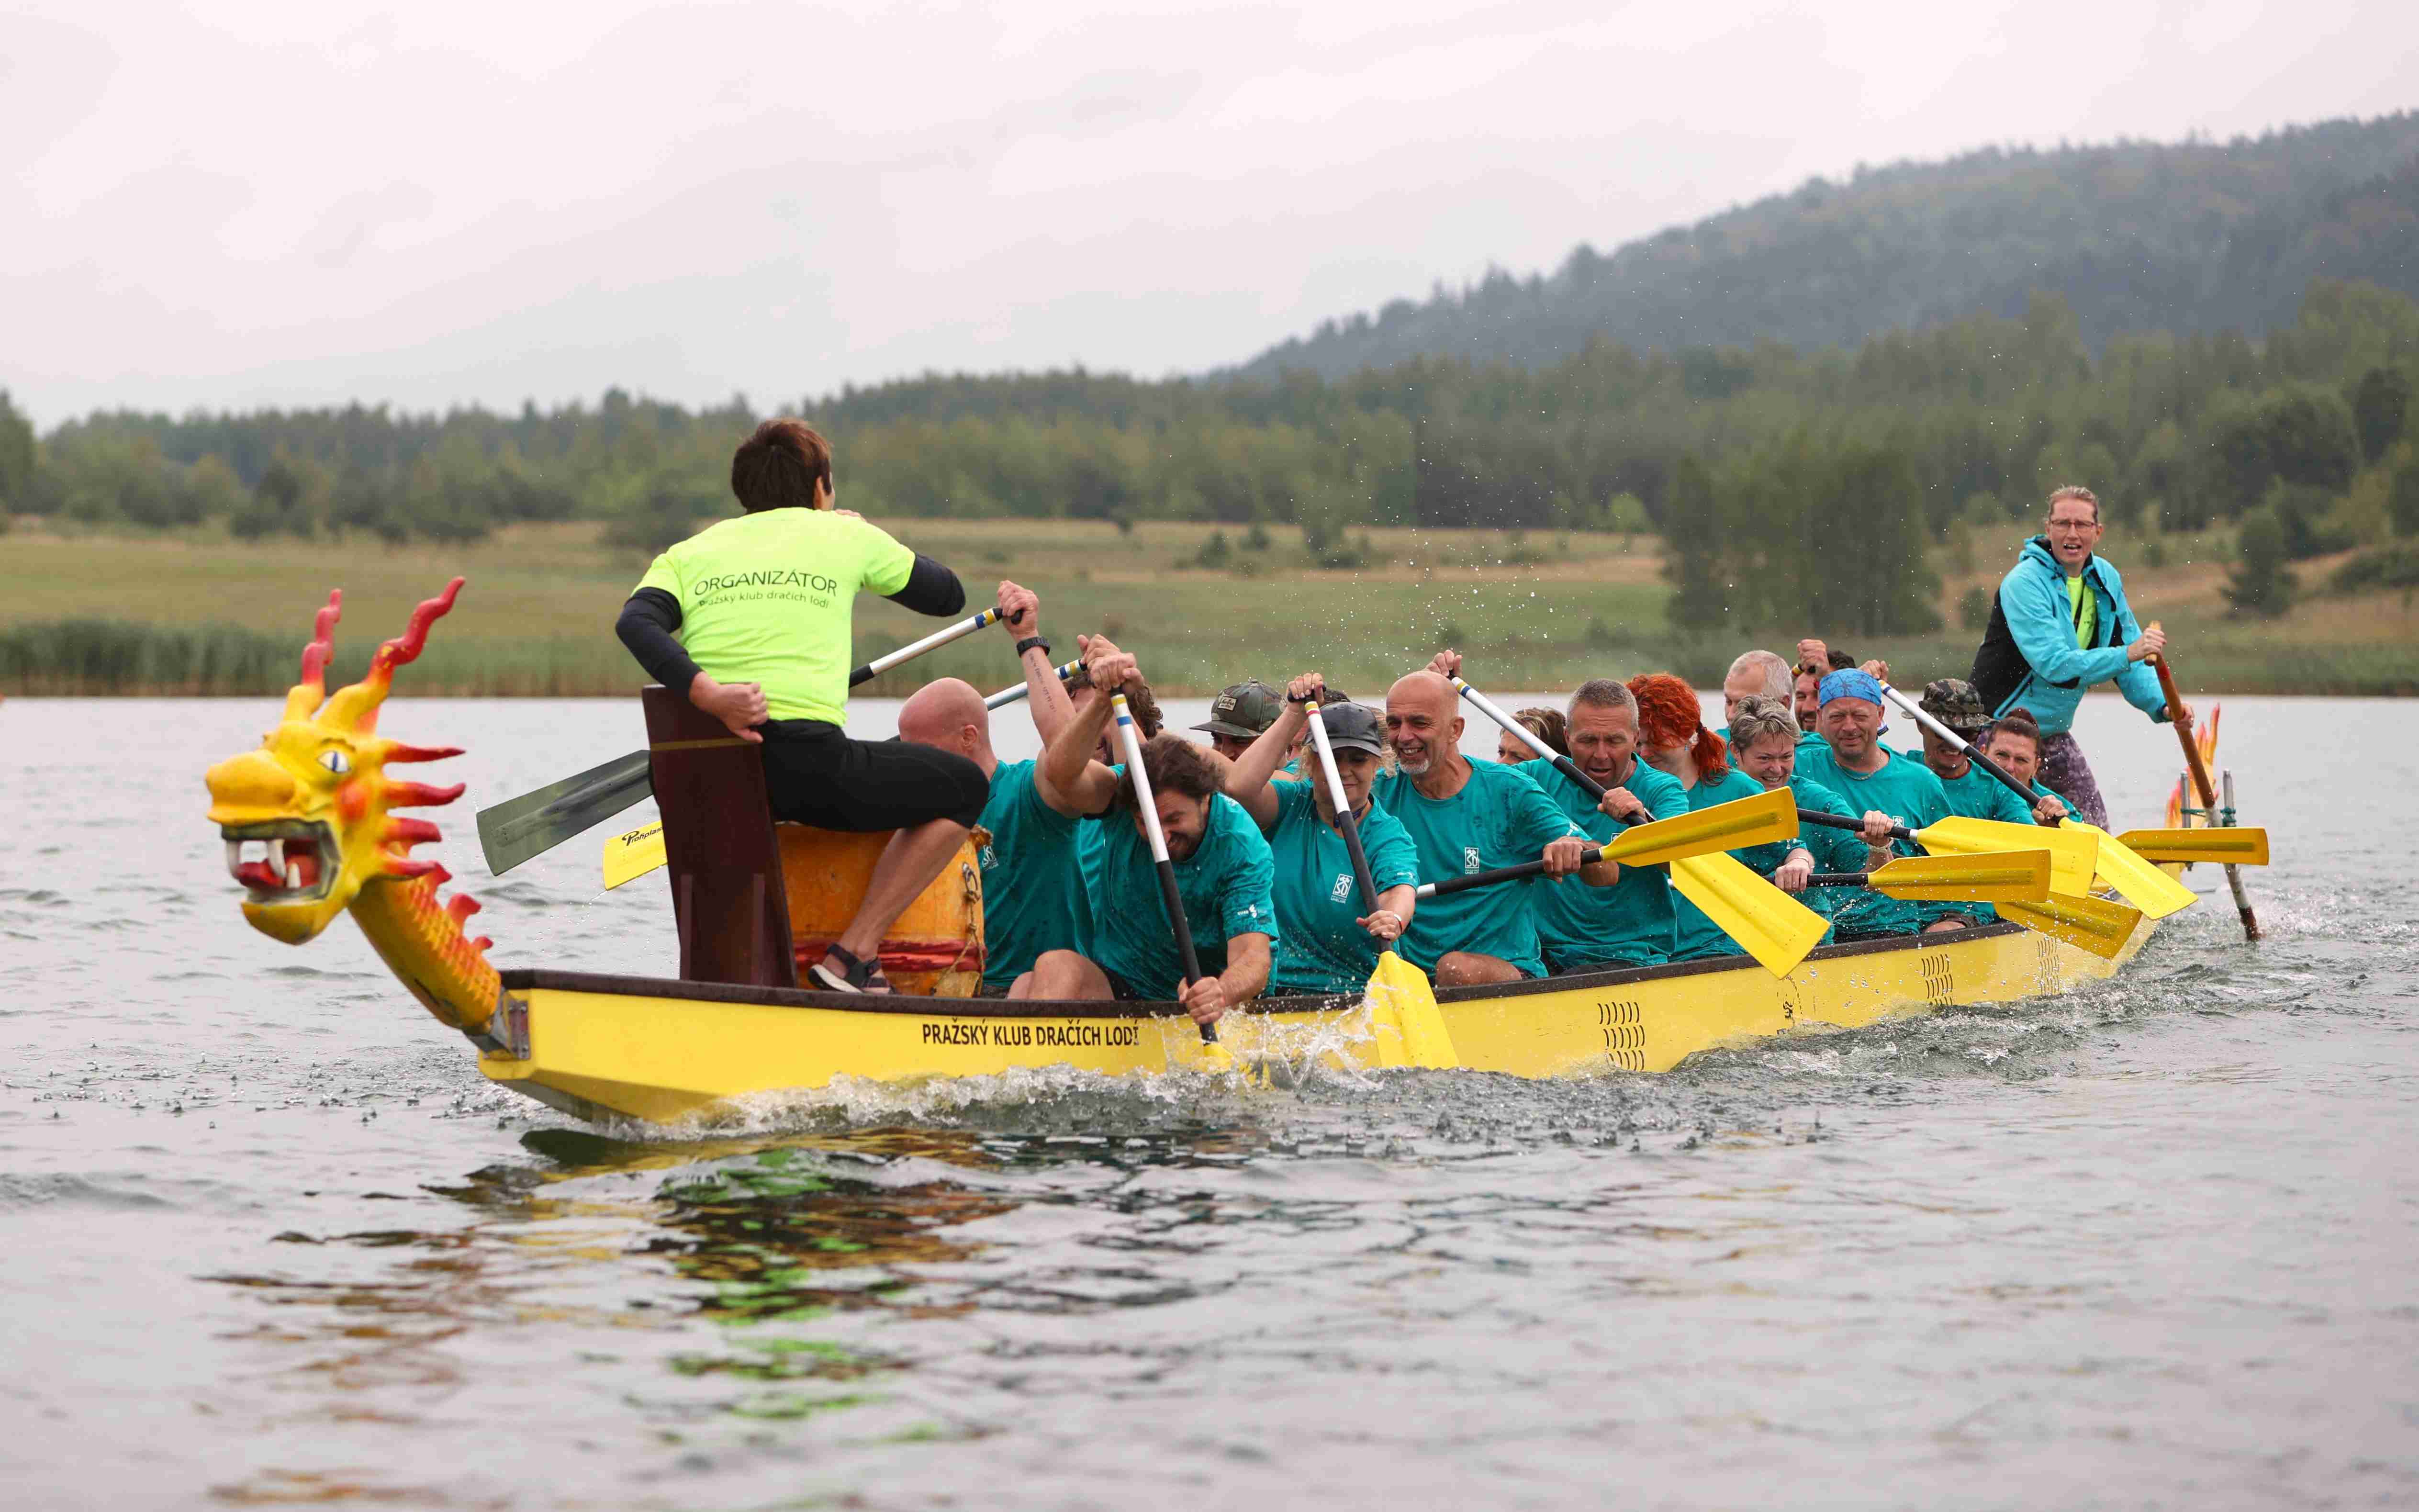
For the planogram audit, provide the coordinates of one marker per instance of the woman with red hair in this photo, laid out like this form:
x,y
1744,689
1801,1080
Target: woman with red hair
x,y
1673,739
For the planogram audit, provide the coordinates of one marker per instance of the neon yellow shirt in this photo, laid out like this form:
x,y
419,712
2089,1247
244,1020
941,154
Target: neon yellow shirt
x,y
2084,606
766,598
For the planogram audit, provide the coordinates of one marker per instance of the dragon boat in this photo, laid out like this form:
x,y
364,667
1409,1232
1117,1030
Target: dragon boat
x,y
311,829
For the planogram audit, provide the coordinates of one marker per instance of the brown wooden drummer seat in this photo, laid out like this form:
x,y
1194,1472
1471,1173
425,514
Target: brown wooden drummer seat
x,y
728,898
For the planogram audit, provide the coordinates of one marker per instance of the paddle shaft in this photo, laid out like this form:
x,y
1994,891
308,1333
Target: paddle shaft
x,y
879,665
1840,821
2208,790
1345,820
1129,742
1965,745
1022,691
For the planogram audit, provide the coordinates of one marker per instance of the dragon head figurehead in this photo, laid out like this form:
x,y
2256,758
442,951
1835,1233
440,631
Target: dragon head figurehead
x,y
310,828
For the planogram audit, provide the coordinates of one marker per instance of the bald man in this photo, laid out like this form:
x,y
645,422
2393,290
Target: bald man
x,y
1031,886
1468,816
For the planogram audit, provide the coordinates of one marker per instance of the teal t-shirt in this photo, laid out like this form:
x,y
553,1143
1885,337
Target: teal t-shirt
x,y
1499,818
1979,796
1909,793
1224,884
1695,936
1833,850
1031,889
1317,898
1629,921
1975,795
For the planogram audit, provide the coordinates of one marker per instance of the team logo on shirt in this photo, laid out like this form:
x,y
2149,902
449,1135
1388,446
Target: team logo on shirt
x,y
1341,891
1469,862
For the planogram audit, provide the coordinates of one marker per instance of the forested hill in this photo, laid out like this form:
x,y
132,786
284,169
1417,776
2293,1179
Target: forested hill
x,y
2190,238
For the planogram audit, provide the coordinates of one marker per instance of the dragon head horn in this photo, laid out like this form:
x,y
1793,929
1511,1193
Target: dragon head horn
x,y
356,708
305,698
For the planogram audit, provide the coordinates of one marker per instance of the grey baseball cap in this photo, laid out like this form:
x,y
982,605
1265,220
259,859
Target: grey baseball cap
x,y
1244,710
1354,727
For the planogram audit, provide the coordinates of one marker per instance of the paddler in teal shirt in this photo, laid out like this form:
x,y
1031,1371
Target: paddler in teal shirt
x,y
1468,816
1329,941
1972,791
1612,915
1853,763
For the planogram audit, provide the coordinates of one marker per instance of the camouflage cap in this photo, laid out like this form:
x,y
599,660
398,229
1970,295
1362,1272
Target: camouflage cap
x,y
1244,710
1954,702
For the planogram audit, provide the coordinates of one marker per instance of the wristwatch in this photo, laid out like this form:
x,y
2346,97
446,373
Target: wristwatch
x,y
1029,642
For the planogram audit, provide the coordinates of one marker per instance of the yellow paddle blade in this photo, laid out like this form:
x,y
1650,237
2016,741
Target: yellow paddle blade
x,y
1769,924
2228,847
1400,988
2141,884
2093,924
1725,827
1991,877
633,854
2073,855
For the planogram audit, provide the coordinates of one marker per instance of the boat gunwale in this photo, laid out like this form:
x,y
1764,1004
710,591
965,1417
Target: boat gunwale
x,y
548,979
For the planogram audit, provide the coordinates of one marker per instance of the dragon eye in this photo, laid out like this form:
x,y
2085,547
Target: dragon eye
x,y
334,762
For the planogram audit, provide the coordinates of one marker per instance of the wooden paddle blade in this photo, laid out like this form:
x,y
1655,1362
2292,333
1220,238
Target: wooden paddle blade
x,y
1991,877
2228,847
2073,853
536,823
1767,923
1725,827
633,854
1402,988
2141,884
2092,924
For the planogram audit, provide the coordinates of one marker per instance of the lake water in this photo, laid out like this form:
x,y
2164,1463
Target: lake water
x,y
270,1238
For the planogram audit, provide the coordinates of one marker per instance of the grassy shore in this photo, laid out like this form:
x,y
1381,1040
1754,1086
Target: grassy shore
x,y
198,613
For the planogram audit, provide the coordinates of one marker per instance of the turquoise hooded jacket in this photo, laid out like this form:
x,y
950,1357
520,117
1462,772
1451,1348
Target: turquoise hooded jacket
x,y
2028,658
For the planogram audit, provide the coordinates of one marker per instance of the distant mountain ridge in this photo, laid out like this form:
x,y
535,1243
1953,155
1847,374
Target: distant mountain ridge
x,y
2190,237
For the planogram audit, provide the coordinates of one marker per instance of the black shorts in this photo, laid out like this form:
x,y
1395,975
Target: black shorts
x,y
815,775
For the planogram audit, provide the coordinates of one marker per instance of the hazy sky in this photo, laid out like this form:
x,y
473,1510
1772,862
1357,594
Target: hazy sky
x,y
233,205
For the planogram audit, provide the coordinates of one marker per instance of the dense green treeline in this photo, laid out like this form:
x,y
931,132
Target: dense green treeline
x,y
1795,487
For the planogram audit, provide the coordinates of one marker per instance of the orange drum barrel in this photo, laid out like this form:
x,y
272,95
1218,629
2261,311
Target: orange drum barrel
x,y
935,950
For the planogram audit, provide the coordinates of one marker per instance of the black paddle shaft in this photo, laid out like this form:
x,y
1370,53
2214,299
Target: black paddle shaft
x,y
1840,821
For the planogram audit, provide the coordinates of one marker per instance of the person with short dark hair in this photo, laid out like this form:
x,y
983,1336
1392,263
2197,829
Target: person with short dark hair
x,y
1612,916
751,618
1223,872
1763,741
2014,741
2060,622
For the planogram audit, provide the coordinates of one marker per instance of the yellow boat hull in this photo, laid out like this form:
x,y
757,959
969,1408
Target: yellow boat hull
x,y
666,1051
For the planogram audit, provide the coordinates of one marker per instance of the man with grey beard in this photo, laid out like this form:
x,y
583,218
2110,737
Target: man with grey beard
x,y
1468,816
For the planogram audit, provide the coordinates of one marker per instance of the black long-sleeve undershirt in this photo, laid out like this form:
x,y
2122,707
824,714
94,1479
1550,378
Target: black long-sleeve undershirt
x,y
646,627
650,615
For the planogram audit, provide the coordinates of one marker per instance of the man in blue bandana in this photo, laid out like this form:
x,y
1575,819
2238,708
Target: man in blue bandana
x,y
1875,781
